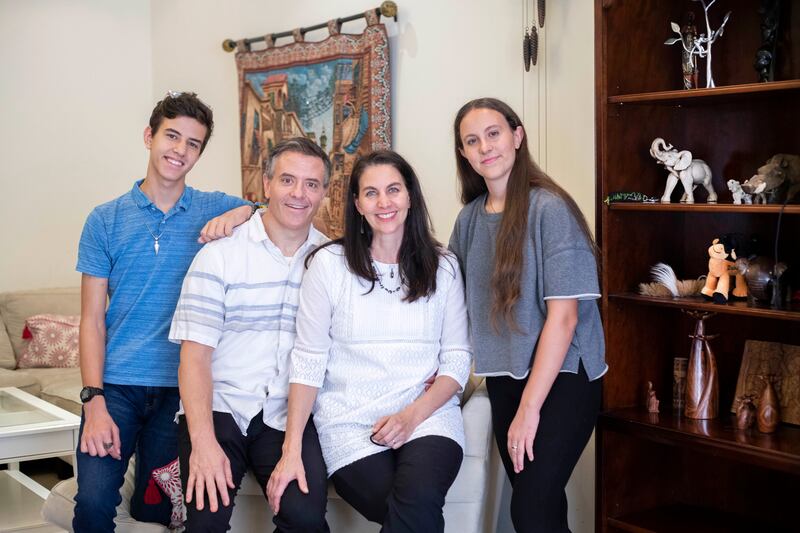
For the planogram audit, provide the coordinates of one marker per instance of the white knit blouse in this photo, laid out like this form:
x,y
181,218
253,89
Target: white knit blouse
x,y
370,353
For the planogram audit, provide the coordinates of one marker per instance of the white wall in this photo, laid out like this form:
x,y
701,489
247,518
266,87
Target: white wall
x,y
76,91
442,55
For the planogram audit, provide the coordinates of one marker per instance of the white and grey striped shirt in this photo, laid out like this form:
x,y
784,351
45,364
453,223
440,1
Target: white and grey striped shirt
x,y
240,297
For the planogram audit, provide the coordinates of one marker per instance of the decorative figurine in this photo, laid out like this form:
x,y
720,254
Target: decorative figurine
x,y
745,413
766,281
768,416
721,265
690,172
779,175
666,283
765,56
702,383
701,45
688,59
652,401
738,193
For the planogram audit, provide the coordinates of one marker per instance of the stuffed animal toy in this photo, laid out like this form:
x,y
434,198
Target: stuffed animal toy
x,y
721,266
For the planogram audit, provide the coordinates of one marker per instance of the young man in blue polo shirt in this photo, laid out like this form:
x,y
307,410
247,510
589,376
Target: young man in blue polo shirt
x,y
134,252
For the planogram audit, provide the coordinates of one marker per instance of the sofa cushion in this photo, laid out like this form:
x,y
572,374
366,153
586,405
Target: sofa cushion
x,y
60,386
20,380
7,359
53,343
16,307
60,506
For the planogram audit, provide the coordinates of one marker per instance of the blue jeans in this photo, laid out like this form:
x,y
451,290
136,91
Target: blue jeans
x,y
145,418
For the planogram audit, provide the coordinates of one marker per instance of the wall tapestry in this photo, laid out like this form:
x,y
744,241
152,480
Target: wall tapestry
x,y
335,92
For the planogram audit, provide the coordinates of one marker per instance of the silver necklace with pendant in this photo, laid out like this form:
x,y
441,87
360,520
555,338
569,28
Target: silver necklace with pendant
x,y
156,246
379,275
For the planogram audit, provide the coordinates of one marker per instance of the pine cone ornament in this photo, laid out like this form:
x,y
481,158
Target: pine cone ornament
x,y
526,50
534,46
541,14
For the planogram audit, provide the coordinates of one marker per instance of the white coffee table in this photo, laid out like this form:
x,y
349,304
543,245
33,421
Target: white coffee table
x,y
30,428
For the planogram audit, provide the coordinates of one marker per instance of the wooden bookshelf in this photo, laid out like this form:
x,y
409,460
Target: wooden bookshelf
x,y
667,472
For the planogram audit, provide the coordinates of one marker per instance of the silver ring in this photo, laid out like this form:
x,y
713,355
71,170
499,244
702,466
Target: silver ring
x,y
108,445
513,447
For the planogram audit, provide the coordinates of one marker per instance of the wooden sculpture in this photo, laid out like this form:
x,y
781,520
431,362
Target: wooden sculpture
x,y
768,416
702,382
745,413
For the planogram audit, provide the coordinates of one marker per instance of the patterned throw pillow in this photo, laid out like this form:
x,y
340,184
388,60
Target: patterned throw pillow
x,y
168,478
52,342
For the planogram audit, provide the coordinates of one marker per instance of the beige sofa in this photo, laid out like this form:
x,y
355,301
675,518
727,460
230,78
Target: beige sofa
x,y
472,503
59,386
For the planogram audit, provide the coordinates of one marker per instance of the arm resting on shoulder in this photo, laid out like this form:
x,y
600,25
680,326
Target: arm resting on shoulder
x,y
223,225
209,467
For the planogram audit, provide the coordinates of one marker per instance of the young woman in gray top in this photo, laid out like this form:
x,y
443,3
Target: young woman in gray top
x,y
528,260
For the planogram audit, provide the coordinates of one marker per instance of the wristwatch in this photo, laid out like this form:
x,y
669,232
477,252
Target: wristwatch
x,y
87,393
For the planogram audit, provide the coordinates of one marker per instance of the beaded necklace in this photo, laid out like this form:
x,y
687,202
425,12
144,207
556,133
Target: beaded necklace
x,y
378,276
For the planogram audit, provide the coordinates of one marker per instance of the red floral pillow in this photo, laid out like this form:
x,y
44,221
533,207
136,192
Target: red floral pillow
x,y
52,342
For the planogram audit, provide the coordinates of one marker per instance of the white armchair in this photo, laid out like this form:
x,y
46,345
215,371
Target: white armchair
x,y
471,506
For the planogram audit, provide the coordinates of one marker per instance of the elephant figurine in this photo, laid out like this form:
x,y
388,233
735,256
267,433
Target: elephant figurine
x,y
766,280
690,172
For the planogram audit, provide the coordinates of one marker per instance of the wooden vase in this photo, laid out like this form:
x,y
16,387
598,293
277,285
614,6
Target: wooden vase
x,y
768,416
745,413
702,381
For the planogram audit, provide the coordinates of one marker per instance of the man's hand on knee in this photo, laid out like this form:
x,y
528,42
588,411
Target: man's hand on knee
x,y
209,472
288,469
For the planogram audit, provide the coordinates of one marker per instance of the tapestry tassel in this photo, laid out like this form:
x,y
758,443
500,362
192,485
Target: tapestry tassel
x,y
152,496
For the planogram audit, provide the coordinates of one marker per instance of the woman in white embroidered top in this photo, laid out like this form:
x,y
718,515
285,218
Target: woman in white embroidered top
x,y
381,310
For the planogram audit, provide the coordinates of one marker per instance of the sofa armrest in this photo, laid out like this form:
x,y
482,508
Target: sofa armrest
x,y
477,414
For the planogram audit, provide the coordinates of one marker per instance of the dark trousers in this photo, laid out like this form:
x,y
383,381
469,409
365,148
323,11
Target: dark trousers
x,y
403,489
566,421
145,418
260,451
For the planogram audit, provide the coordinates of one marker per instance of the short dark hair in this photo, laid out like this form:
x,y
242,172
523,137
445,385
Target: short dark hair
x,y
300,145
177,104
419,251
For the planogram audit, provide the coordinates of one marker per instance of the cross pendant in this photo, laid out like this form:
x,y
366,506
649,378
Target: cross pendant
x,y
156,246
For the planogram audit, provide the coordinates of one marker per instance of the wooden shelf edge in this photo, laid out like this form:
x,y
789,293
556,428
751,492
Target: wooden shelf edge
x,y
697,303
683,95
706,208
779,451
680,518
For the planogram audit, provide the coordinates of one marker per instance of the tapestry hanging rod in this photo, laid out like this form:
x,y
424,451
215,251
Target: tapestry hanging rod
x,y
387,9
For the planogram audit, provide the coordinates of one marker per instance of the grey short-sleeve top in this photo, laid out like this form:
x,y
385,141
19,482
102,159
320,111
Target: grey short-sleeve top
x,y
557,263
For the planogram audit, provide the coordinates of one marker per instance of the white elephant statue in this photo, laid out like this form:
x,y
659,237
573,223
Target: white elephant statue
x,y
690,172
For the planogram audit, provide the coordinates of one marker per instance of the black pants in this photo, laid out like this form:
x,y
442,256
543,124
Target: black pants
x,y
403,489
566,421
260,451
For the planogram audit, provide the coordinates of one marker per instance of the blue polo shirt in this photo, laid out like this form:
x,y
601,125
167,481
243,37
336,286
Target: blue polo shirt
x,y
143,287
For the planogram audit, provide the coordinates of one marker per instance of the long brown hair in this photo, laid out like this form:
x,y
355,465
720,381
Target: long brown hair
x,y
525,175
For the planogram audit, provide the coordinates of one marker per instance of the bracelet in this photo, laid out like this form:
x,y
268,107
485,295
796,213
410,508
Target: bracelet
x,y
256,207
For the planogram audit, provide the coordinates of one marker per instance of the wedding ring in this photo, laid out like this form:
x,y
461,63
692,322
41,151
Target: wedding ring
x,y
108,445
513,447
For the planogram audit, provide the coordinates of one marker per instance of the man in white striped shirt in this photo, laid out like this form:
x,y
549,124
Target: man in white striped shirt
x,y
235,321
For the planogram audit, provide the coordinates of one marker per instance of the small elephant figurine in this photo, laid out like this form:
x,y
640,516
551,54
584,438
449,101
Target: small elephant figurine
x,y
721,258
766,280
690,172
739,196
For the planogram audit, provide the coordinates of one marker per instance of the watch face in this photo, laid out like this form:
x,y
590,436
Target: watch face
x,y
84,395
